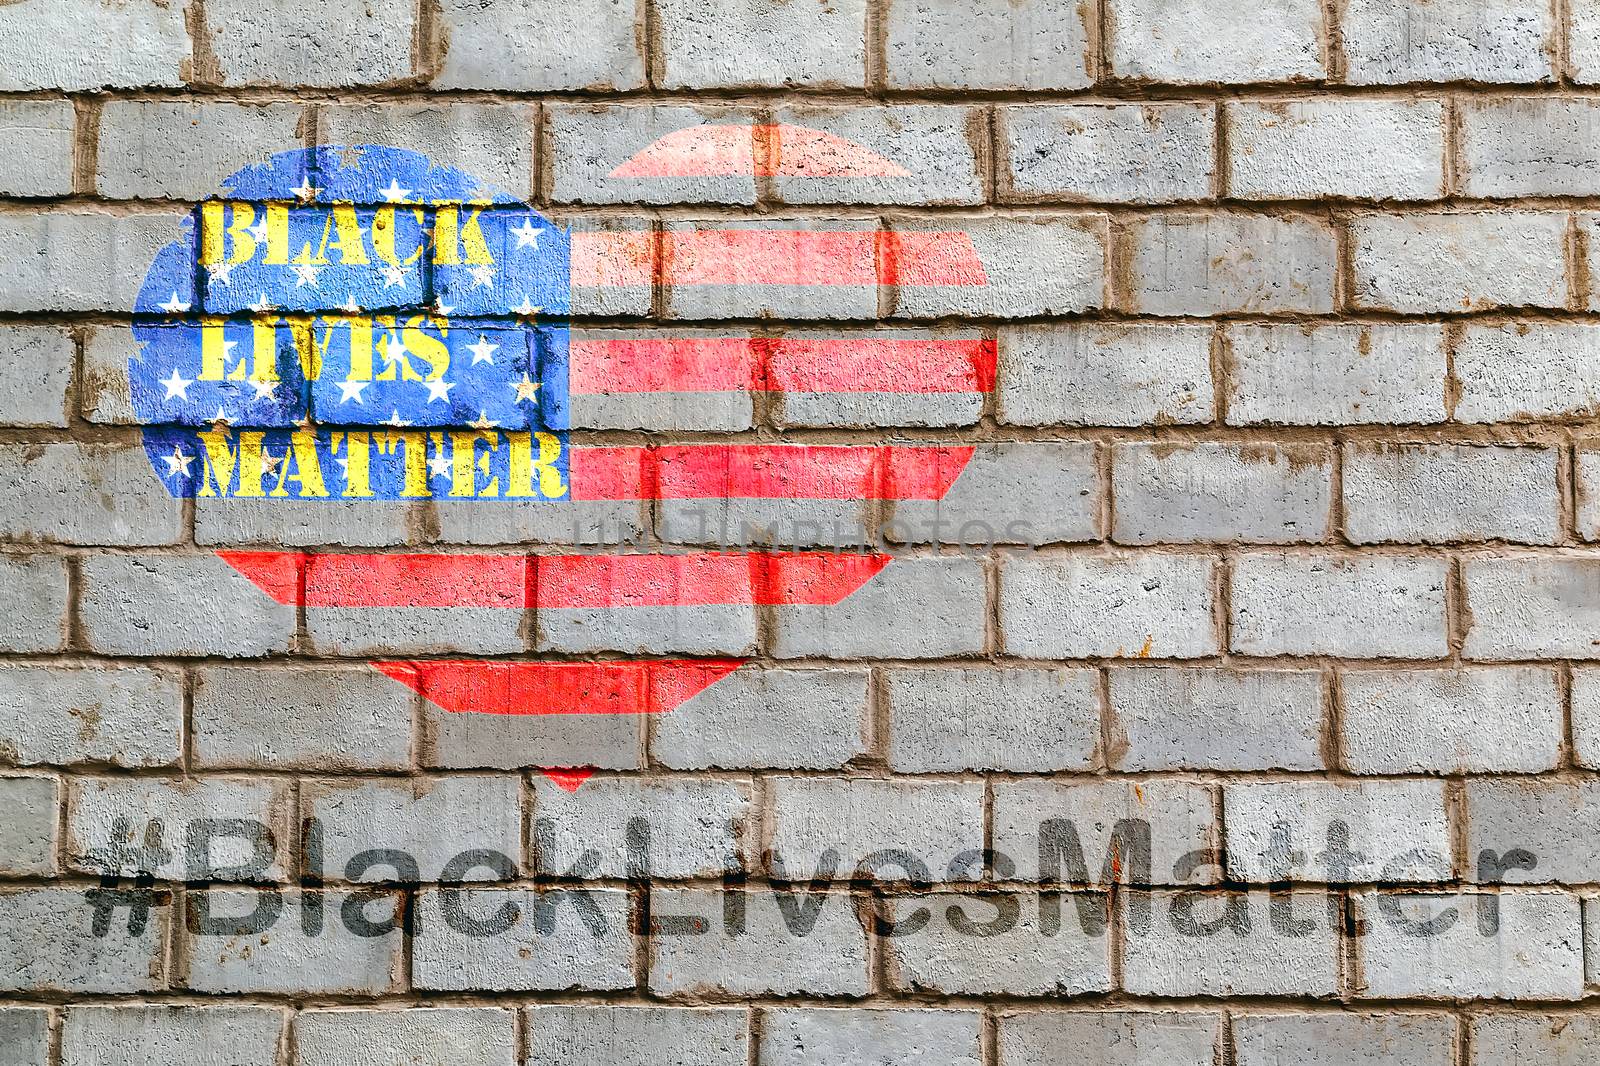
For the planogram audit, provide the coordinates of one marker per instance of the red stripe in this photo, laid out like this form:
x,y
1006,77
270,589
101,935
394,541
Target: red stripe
x,y
467,686
740,364
775,257
659,364
514,582
767,472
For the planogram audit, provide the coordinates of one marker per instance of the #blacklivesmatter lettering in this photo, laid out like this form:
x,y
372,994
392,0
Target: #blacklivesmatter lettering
x,y
341,351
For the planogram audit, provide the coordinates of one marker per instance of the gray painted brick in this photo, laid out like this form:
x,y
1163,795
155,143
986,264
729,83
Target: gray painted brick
x,y
779,942
863,824
125,716
44,254
1214,263
944,719
1284,831
1086,375
1244,954
432,820
1184,844
761,43
1107,153
1171,41
105,394
1334,375
294,42
1440,494
83,44
586,143
1586,717
492,143
1530,147
638,1036
25,1036
987,44
528,954
148,1035
517,44
1502,1039
1583,40
946,596
1535,953
1551,820
284,957
1172,494
1305,150
86,494
51,946
303,718
1083,606
1344,1039
34,588
1527,371
788,719
279,523
35,373
1362,607
696,828
1213,718
462,1036
1111,1038
1033,265
1390,42
143,605
182,151
794,1036
1018,492
939,154
112,826
28,833
1531,607
38,135
1451,720
1459,261
986,944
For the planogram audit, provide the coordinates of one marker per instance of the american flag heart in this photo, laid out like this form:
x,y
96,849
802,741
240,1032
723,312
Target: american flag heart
x,y
680,608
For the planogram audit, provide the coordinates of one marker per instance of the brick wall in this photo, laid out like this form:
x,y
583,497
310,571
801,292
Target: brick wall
x,y
1295,396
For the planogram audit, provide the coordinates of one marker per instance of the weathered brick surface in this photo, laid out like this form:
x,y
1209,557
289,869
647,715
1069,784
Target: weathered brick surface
x,y
1259,626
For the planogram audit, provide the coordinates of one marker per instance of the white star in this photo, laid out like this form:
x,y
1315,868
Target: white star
x,y
305,274
394,348
221,418
305,190
442,307
270,462
265,390
484,421
221,274
177,385
178,462
259,231
527,234
351,390
439,466
174,305
394,193
482,276
350,305
395,420
483,351
526,309
393,277
227,350
526,389
439,390
260,304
